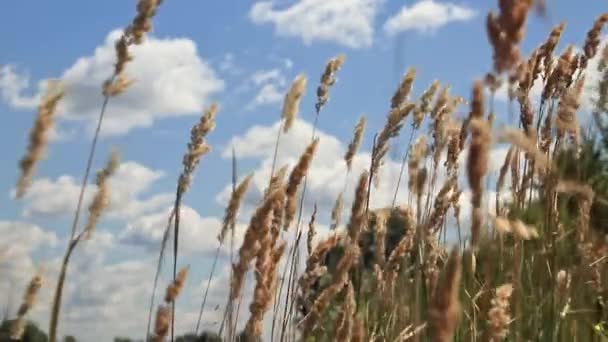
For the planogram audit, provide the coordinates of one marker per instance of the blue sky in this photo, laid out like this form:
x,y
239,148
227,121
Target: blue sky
x,y
242,55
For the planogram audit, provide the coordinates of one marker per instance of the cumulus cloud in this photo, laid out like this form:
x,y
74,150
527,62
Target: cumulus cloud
x,y
270,85
197,234
427,16
48,197
346,22
171,79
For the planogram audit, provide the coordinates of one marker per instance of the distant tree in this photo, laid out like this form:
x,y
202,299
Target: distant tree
x,y
32,332
122,339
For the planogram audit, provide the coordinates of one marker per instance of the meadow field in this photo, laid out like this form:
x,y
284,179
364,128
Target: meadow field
x,y
472,216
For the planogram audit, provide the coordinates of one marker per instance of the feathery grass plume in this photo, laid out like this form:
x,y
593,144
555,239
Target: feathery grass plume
x,y
197,147
601,104
441,101
311,229
345,315
358,329
394,261
401,95
258,227
291,103
314,270
441,205
391,129
340,278
548,47
381,218
354,145
477,168
357,215
17,327
276,181
161,324
327,80
562,283
592,42
101,200
499,317
516,227
117,87
527,144
233,207
568,106
295,178
336,212
445,304
266,275
502,175
561,75
134,33
39,136
418,152
425,104
164,316
505,32
174,289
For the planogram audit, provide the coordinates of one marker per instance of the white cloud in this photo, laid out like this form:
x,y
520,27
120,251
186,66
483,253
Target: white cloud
x,y
427,16
271,86
171,79
12,86
197,234
346,22
59,197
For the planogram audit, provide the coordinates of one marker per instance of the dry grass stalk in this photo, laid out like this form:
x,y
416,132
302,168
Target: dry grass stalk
x,y
528,145
233,207
592,42
291,103
197,147
176,287
163,319
391,129
340,278
358,215
295,178
101,199
425,104
393,264
327,80
258,227
499,317
381,219
445,304
117,87
17,327
561,75
346,315
39,136
311,229
417,154
401,95
354,145
358,329
477,167
548,47
516,227
336,212
266,275
505,32
134,33
568,106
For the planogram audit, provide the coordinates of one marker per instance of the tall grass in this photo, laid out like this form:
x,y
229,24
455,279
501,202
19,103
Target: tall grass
x,y
534,268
